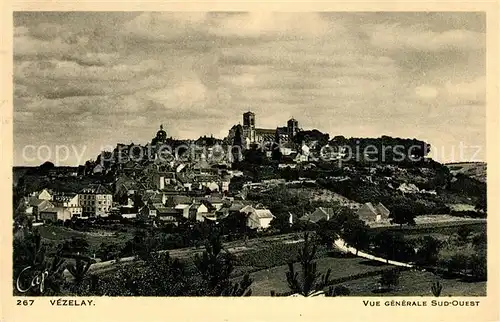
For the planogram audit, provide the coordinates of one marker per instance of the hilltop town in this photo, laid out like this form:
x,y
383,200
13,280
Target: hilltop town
x,y
254,184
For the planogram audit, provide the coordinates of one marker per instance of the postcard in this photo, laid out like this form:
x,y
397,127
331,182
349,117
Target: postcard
x,y
229,161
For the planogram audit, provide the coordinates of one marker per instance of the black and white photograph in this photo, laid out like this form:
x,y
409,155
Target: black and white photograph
x,y
257,154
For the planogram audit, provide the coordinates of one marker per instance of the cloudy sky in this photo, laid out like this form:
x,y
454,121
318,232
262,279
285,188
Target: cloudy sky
x,y
88,80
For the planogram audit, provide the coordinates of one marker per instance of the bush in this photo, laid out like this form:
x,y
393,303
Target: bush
x,y
341,290
457,263
389,278
108,252
463,234
478,265
428,250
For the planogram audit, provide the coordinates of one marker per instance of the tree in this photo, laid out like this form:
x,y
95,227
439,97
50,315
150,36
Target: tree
x,y
310,280
427,253
108,251
457,263
30,262
342,223
137,200
327,232
46,167
80,268
481,203
21,220
389,279
479,241
198,233
382,244
402,214
76,245
479,266
341,290
215,267
276,154
393,246
356,234
236,223
463,234
237,146
281,223
141,245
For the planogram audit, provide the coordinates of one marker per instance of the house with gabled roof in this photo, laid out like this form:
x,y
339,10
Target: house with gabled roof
x,y
373,213
196,209
321,213
34,206
44,194
230,207
258,218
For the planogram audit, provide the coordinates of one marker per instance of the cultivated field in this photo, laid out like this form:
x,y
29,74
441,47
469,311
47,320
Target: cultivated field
x,y
417,283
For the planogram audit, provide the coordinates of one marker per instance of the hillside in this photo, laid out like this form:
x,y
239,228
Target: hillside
x,y
19,172
428,188
325,195
475,170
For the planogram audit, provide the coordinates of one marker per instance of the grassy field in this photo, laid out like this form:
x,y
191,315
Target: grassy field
x,y
476,170
57,235
436,228
275,278
416,283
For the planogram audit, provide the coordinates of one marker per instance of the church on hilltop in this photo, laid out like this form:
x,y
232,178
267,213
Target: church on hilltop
x,y
161,137
250,134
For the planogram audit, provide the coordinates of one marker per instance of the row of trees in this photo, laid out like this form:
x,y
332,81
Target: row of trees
x,y
156,274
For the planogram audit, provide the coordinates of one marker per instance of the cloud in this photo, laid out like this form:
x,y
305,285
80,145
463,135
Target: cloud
x,y
473,92
455,93
397,37
163,26
426,92
56,69
29,46
274,24
93,59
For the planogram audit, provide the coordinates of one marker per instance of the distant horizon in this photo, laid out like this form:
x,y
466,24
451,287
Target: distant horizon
x,y
94,79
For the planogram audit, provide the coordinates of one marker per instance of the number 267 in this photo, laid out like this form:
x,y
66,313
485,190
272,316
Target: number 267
x,y
25,302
